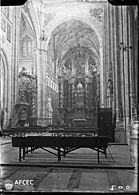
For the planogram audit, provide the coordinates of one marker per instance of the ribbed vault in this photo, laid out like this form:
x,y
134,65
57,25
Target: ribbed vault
x,y
69,37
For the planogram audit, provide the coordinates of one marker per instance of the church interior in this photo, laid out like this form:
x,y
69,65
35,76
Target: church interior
x,y
69,96
70,63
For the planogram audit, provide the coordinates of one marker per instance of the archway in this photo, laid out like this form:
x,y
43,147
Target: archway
x,y
3,89
73,55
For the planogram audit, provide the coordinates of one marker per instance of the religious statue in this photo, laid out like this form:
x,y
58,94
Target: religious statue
x,y
79,95
50,111
109,87
109,93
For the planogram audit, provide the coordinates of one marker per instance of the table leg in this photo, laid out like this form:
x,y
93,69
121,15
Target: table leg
x,y
59,154
23,153
98,155
27,151
98,151
64,154
105,152
19,154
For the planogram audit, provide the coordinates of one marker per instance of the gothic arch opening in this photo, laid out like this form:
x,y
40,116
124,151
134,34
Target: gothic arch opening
x,y
74,58
3,88
27,45
71,34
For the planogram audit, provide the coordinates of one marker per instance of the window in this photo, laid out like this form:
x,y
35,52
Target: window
x,y
27,47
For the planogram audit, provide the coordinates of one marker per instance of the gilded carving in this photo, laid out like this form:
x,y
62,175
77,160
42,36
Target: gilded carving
x,y
27,90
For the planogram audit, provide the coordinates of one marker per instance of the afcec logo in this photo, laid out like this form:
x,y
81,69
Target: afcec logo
x,y
8,184
24,185
27,185
24,182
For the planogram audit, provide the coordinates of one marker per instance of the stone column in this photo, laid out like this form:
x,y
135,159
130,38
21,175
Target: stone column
x,y
44,83
134,37
116,88
133,68
119,80
107,46
39,86
126,73
130,64
111,74
41,73
101,79
136,61
120,130
13,72
113,64
121,60
42,96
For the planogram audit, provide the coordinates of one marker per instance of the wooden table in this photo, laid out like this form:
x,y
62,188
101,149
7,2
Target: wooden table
x,y
61,144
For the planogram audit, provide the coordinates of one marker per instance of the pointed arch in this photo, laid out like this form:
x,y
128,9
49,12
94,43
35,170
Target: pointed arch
x,y
4,92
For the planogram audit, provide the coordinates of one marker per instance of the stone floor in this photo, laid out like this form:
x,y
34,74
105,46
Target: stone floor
x,y
71,179
78,172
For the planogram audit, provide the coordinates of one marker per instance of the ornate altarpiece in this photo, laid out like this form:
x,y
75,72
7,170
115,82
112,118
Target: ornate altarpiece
x,y
78,93
27,97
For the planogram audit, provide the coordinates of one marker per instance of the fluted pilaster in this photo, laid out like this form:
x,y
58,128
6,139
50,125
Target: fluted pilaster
x,y
115,72
126,61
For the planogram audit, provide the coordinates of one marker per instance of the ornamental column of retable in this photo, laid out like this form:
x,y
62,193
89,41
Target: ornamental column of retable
x,y
61,98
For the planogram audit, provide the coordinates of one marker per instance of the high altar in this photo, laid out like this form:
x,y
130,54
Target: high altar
x,y
78,89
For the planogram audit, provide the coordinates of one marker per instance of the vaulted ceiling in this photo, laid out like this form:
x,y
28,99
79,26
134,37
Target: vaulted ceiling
x,y
70,36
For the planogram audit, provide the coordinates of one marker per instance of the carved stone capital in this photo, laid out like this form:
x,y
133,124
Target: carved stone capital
x,y
97,13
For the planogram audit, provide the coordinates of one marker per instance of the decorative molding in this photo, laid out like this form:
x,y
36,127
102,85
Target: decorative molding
x,y
97,13
27,94
26,84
